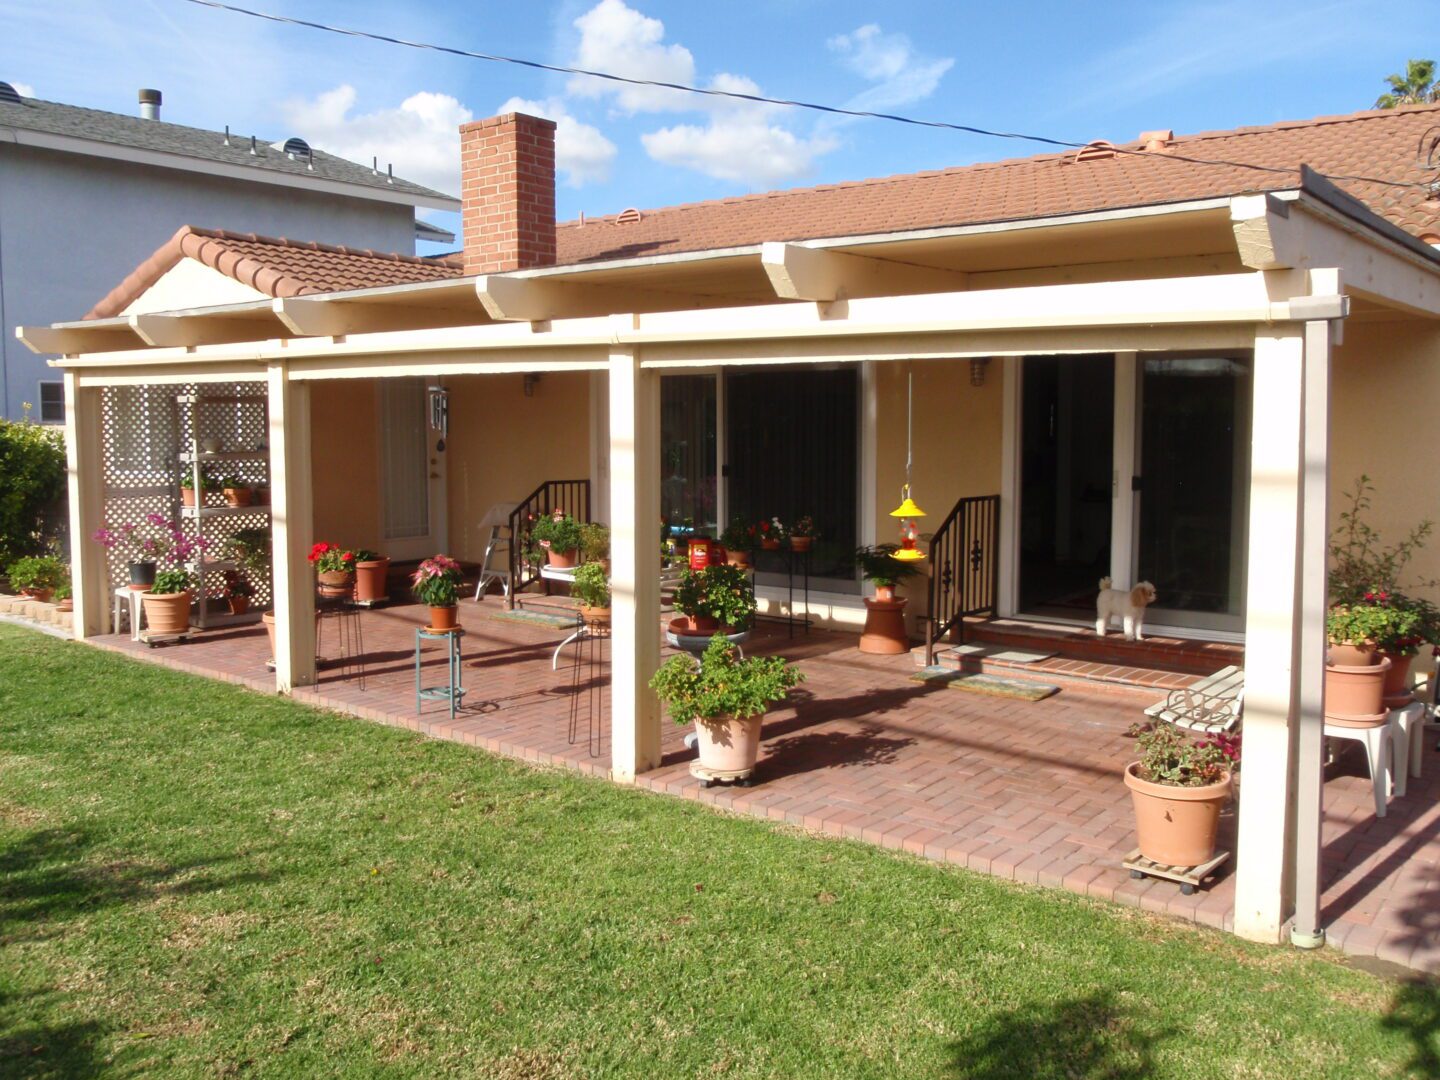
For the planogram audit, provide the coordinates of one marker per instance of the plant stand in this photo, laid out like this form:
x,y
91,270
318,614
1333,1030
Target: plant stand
x,y
884,628
710,777
1188,877
589,681
452,690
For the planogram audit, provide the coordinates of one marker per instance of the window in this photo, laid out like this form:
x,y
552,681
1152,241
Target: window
x,y
52,403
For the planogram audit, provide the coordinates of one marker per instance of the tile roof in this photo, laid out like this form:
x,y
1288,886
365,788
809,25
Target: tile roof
x,y
1383,144
275,266
56,118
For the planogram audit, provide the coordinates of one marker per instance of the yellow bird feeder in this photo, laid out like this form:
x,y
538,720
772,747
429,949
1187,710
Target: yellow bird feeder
x,y
908,511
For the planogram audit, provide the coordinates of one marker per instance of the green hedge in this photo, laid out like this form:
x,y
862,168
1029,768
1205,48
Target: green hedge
x,y
32,482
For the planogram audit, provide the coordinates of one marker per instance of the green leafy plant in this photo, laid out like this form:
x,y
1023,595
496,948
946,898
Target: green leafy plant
x,y
64,591
724,685
234,483
878,566
251,549
591,586
37,573
331,558
32,486
366,555
187,480
436,582
559,533
722,592
740,535
175,580
1173,757
594,542
1360,561
1374,619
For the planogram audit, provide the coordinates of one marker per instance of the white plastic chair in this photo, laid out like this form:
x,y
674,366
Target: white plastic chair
x,y
497,518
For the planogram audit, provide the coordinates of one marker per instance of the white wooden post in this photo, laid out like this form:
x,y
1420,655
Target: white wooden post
x,y
85,468
1264,868
635,563
292,530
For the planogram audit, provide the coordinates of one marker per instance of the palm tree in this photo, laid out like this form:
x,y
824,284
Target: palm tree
x,y
1416,87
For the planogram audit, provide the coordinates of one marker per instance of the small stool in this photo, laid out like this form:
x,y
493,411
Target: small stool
x,y
1377,738
1409,744
134,608
453,690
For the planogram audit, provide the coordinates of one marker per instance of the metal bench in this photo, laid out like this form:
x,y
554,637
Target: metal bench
x,y
1210,706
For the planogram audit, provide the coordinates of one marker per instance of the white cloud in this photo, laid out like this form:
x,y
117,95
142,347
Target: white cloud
x,y
24,89
901,75
420,138
581,151
618,39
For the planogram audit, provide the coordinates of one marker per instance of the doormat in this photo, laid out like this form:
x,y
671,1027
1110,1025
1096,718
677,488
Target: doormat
x,y
991,685
538,618
999,652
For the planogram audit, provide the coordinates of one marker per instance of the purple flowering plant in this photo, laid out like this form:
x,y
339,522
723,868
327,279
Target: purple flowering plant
x,y
156,539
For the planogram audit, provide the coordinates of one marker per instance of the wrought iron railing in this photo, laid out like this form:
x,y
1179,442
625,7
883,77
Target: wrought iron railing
x,y
964,568
570,496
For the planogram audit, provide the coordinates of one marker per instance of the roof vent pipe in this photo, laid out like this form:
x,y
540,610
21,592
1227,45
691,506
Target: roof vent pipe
x,y
149,104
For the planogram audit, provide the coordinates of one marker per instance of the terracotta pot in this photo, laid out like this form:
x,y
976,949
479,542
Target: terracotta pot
x,y
728,745
336,583
884,627
801,543
770,544
1176,826
142,575
595,616
238,604
1396,691
738,558
885,592
187,496
68,604
262,496
1355,689
40,595
444,618
242,496
561,560
168,613
1352,655
701,624
370,579
269,620
1373,720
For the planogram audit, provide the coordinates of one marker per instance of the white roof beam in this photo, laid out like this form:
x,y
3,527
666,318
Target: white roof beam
x,y
73,340
797,272
191,330
537,299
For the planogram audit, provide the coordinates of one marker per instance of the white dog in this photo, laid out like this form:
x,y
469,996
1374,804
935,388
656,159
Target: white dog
x,y
1127,605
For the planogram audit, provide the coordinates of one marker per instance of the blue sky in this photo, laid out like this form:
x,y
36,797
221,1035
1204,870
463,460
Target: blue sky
x,y
1068,70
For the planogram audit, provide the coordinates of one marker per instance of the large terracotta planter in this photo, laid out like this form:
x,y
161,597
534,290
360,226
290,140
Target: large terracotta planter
x,y
40,595
370,579
884,627
167,613
726,744
336,583
1355,689
1176,826
595,616
1396,690
560,560
701,624
444,618
1351,654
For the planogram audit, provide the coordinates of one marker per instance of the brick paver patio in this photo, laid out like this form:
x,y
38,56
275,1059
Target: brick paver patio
x,y
1029,791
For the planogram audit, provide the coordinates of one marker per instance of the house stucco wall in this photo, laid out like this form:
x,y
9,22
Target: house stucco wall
x,y
345,462
1386,378
72,227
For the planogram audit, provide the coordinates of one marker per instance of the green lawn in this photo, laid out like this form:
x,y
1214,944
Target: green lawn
x,y
197,880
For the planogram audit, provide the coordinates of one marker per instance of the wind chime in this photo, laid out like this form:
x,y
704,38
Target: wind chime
x,y
907,511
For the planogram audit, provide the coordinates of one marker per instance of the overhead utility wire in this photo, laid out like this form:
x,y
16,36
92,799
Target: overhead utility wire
x,y
762,100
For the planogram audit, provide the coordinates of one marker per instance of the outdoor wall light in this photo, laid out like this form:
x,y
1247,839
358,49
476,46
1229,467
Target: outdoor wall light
x,y
977,370
531,378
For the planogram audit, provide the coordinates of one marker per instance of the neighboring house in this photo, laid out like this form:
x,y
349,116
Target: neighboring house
x,y
114,187
1154,361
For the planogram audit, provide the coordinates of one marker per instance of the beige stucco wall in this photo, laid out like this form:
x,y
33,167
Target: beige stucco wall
x,y
503,445
1386,385
346,462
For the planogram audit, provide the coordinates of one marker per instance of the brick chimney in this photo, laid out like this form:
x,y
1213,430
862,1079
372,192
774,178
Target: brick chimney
x,y
507,191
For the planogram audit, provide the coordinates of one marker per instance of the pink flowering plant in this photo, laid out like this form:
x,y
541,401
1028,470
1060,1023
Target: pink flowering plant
x,y
148,541
1172,757
436,583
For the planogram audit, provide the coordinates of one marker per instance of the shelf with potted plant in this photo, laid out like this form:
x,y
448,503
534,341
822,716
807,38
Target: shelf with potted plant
x,y
334,570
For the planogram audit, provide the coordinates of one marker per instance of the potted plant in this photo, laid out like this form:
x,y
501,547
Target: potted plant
x,y
726,698
740,539
237,593
716,598
802,533
1354,672
261,493
334,569
167,604
251,549
885,633
595,544
37,576
371,571
142,546
187,488
772,534
559,537
880,568
64,597
237,492
592,588
1421,624
436,584
1178,787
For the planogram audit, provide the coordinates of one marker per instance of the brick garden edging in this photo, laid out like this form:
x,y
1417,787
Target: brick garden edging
x,y
46,614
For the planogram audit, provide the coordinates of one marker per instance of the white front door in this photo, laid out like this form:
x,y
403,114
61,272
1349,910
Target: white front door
x,y
412,470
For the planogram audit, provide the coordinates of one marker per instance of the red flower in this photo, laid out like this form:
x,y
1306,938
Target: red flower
x,y
349,556
1370,596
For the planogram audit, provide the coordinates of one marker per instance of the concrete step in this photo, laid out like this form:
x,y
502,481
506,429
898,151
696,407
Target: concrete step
x,y
1185,656
1149,684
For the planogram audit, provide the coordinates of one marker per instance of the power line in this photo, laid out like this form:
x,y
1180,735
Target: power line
x,y
760,99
